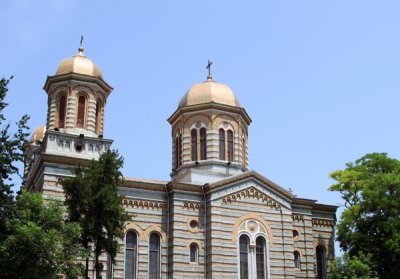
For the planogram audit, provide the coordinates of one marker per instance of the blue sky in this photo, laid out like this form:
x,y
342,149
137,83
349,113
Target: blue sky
x,y
320,79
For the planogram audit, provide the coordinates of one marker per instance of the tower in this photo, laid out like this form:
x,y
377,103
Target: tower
x,y
77,95
209,134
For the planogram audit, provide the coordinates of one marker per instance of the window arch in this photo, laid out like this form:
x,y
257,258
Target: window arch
x,y
221,144
80,120
253,256
193,140
130,255
178,150
154,256
99,107
62,103
194,253
321,262
296,256
260,258
244,256
230,145
203,144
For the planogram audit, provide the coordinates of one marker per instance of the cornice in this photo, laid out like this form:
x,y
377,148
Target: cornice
x,y
248,175
195,108
77,77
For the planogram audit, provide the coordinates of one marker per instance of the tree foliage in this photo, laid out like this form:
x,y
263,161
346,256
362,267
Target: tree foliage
x,y
92,199
41,244
11,152
350,268
370,223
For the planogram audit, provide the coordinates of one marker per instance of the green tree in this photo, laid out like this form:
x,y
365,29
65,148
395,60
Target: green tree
x,y
92,199
11,152
350,268
370,223
41,244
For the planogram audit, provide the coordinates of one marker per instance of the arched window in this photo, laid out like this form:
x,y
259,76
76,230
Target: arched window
x,y
244,152
296,256
154,256
193,136
61,111
176,152
98,116
203,144
244,256
194,253
180,150
230,145
221,144
81,112
130,255
260,258
321,262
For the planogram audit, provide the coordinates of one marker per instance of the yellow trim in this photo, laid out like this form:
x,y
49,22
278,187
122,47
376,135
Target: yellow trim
x,y
256,217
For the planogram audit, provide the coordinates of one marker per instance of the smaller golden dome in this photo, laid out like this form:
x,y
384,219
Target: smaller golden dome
x,y
209,92
79,64
38,133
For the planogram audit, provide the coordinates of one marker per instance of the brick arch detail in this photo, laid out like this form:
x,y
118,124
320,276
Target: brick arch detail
x,y
256,217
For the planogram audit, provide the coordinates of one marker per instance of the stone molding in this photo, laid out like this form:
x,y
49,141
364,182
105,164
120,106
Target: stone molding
x,y
251,192
252,216
322,222
144,204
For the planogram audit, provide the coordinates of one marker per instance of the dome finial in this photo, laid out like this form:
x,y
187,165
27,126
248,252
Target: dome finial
x,y
209,77
80,49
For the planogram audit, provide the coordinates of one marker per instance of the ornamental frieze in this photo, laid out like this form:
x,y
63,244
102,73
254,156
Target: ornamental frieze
x,y
322,222
250,193
297,217
192,206
143,204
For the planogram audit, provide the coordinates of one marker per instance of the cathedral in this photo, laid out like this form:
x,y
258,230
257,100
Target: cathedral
x,y
215,218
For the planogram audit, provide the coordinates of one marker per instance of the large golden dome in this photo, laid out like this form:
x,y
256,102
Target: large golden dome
x,y
209,92
38,134
79,64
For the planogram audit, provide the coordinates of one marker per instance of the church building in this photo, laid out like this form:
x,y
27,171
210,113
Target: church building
x,y
215,218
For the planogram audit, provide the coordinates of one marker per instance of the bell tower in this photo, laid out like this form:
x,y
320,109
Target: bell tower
x,y
77,96
209,134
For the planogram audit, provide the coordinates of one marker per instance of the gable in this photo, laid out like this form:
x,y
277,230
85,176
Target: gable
x,y
250,189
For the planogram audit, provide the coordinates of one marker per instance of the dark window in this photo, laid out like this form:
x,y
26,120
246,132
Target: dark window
x,y
296,255
260,257
130,255
154,256
244,152
221,144
295,233
321,262
176,152
230,145
180,150
61,112
244,256
193,135
203,144
98,116
194,250
81,112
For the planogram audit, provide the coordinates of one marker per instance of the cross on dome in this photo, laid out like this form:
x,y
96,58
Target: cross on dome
x,y
209,77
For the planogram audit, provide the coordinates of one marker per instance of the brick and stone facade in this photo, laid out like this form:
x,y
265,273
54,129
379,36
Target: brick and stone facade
x,y
213,201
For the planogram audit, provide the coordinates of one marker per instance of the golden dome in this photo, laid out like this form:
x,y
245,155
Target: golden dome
x,y
38,133
79,64
209,92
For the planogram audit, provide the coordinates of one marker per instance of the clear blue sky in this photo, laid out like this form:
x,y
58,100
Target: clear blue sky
x,y
320,79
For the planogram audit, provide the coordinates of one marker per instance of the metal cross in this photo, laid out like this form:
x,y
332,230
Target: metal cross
x,y
209,67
